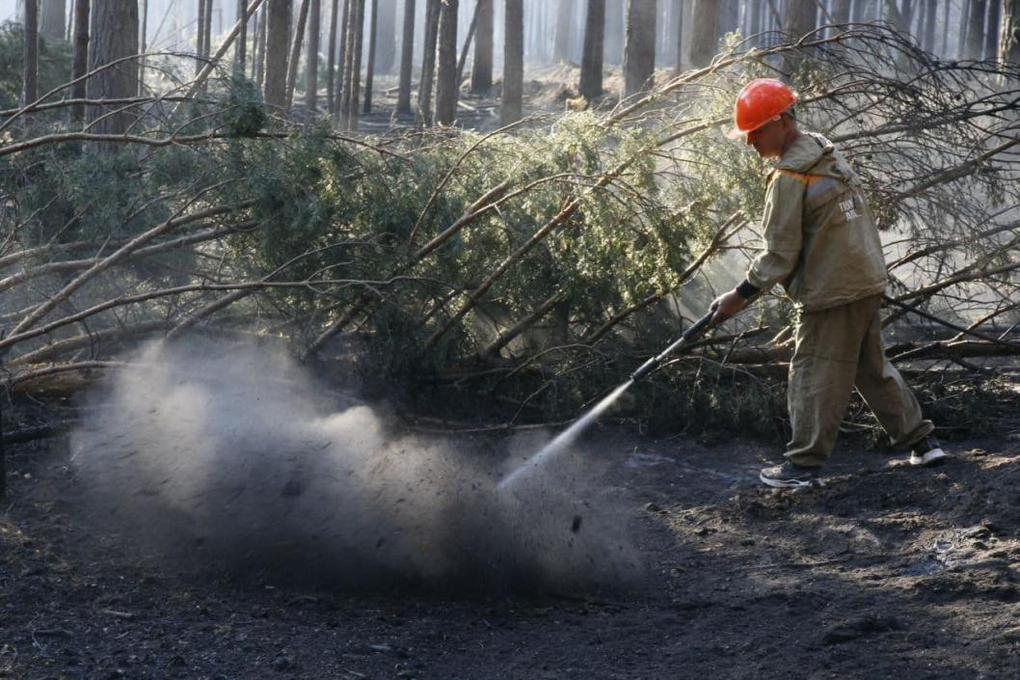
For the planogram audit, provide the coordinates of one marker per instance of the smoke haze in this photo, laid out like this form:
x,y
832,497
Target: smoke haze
x,y
209,455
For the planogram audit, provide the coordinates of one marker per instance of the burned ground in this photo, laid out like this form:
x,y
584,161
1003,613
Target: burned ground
x,y
889,571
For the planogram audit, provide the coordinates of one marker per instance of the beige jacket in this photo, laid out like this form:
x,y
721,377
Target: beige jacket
x,y
820,237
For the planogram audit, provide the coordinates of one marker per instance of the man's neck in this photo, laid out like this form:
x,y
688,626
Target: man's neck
x,y
791,136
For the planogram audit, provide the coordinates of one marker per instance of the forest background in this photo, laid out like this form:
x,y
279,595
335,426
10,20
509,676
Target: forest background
x,y
490,213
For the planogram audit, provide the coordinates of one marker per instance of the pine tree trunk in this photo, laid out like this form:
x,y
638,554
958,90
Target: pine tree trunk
x,y
386,46
945,30
462,59
799,19
1009,34
976,29
930,12
30,78
352,79
295,51
840,12
639,49
331,58
511,108
240,49
481,69
208,29
80,59
678,24
258,68
277,26
200,36
343,64
563,29
754,11
312,56
446,76
142,47
428,62
907,14
729,13
591,59
992,29
114,35
704,15
372,44
613,32
406,60
51,20
961,43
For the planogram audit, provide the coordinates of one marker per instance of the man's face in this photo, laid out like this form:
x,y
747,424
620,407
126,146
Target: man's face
x,y
768,140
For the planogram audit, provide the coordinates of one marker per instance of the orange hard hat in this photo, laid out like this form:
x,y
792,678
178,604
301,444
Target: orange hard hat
x,y
761,101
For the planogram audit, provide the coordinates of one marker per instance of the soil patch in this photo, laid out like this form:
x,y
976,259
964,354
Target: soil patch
x,y
889,571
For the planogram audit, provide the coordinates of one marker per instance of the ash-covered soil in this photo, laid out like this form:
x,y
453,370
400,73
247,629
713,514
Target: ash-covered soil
x,y
890,571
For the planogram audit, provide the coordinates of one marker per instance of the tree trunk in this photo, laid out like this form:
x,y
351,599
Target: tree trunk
x,y
446,78
961,43
343,65
639,50
532,35
295,51
200,36
563,29
372,43
591,59
992,29
729,14
976,29
462,59
80,60
428,62
312,56
331,59
513,63
1009,34
386,46
945,30
258,68
613,32
481,70
799,19
406,60
930,14
704,15
277,26
208,29
240,56
30,80
754,10
114,35
678,22
354,46
840,12
51,20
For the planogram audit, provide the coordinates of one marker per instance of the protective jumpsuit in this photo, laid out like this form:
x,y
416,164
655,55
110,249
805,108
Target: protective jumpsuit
x,y
822,245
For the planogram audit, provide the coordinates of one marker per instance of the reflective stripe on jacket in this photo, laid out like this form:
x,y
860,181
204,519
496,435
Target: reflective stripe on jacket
x,y
821,242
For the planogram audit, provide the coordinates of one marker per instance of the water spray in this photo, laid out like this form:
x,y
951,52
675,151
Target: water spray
x,y
564,439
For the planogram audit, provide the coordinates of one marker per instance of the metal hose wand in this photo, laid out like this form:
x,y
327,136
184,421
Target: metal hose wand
x,y
689,336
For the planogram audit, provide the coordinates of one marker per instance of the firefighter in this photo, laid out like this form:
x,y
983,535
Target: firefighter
x,y
822,246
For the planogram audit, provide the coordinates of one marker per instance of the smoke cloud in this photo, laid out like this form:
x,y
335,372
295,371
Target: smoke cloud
x,y
209,455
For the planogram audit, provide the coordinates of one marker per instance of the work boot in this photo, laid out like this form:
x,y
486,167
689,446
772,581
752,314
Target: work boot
x,y
927,452
790,476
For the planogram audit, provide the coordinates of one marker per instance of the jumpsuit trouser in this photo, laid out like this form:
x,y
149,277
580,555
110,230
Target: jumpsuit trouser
x,y
838,349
